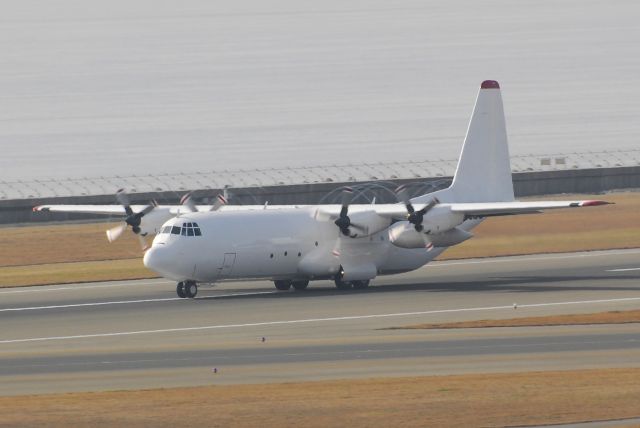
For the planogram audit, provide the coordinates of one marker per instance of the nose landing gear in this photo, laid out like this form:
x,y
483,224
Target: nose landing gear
x,y
187,289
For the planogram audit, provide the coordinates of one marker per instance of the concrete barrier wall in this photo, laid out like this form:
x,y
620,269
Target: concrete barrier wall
x,y
596,180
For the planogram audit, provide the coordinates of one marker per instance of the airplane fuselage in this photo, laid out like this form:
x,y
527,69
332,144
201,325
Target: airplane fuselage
x,y
273,244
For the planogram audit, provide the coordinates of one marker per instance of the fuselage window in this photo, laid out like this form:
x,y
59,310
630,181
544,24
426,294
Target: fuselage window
x,y
175,230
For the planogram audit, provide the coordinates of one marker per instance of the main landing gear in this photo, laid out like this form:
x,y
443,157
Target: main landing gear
x,y
187,289
347,285
285,284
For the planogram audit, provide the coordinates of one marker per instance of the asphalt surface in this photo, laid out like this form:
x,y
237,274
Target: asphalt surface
x,y
137,334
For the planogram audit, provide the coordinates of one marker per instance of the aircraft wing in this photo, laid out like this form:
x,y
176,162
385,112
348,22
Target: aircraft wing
x,y
87,209
113,209
119,210
487,209
479,209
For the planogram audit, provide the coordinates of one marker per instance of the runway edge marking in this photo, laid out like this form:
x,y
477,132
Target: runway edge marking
x,y
311,320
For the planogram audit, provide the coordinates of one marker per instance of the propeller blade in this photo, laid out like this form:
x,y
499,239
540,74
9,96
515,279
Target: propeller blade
x,y
147,209
337,249
428,245
219,202
402,193
115,232
123,199
187,201
343,221
143,243
347,196
432,203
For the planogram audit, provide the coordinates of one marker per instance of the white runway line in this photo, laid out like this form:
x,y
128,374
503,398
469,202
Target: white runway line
x,y
622,270
125,302
311,320
78,286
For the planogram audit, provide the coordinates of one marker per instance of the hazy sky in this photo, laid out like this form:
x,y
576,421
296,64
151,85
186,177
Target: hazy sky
x,y
92,88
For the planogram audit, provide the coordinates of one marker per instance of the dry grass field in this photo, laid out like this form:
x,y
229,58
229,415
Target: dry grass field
x,y
508,399
59,253
614,317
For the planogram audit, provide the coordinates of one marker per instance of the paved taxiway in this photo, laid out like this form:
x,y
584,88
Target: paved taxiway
x,y
138,335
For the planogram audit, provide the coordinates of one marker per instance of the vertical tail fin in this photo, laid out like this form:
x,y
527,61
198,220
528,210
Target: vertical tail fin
x,y
484,169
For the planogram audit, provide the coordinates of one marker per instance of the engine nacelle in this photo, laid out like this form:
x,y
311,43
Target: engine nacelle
x,y
449,238
440,218
370,220
404,235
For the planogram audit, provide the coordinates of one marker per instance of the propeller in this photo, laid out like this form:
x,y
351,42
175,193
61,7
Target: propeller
x,y
132,219
343,221
414,217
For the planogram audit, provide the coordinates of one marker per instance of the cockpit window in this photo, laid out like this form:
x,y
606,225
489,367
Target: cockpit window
x,y
166,229
175,230
190,229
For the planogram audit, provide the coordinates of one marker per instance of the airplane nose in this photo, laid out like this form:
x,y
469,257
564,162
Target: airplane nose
x,y
153,258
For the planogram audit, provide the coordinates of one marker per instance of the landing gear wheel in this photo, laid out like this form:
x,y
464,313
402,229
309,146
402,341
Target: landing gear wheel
x,y
300,285
190,289
180,290
343,285
360,285
282,285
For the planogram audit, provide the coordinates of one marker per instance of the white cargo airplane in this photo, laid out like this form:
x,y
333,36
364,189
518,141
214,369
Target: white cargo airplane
x,y
350,244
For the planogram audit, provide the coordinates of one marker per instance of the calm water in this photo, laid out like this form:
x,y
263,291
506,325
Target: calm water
x,y
92,88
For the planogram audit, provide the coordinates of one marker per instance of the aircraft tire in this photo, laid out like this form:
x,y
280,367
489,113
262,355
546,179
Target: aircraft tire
x,y
190,289
282,285
343,285
300,285
180,290
360,285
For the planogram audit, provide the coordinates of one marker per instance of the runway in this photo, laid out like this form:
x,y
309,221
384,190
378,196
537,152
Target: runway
x,y
137,334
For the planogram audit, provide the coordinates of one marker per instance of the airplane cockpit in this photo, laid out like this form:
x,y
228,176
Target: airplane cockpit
x,y
177,229
187,229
